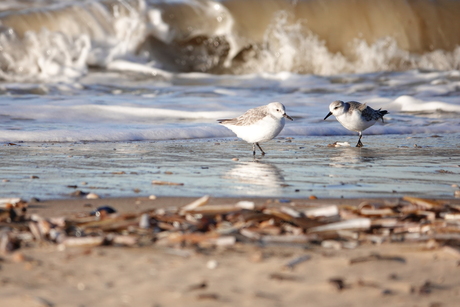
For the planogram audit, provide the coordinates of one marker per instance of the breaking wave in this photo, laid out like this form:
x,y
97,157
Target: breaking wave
x,y
61,41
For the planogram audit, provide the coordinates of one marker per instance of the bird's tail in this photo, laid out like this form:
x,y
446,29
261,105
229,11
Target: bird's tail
x,y
382,113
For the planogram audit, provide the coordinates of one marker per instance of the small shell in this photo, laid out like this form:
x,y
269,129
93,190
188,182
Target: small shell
x,y
44,227
271,230
430,216
358,224
214,209
212,264
348,234
8,201
389,223
195,204
248,205
350,244
376,212
224,241
278,213
92,196
288,239
35,230
422,203
332,244
376,239
332,210
251,234
189,237
58,221
83,241
5,242
291,212
124,240
144,221
57,235
450,216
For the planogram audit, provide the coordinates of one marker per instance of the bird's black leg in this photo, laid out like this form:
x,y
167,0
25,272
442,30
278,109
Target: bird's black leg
x,y
263,153
359,140
253,149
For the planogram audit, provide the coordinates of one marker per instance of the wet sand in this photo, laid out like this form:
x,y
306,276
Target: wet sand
x,y
388,166
408,273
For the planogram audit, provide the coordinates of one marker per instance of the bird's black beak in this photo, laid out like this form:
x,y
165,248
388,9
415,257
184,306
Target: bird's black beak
x,y
287,116
329,114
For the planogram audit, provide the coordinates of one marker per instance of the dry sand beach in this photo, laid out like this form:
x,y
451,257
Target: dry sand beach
x,y
377,270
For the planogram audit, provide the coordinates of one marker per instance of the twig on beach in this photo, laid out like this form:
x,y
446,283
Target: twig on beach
x,y
159,182
296,261
377,257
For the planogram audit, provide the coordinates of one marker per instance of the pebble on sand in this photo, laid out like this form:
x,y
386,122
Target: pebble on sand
x,y
211,264
92,196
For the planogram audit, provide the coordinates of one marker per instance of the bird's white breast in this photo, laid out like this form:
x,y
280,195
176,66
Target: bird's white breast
x,y
261,131
354,121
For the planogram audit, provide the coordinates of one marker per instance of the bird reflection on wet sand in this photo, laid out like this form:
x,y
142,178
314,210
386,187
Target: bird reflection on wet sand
x,y
354,157
257,173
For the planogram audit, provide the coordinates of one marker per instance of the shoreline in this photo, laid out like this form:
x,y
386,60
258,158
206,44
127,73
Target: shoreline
x,y
296,167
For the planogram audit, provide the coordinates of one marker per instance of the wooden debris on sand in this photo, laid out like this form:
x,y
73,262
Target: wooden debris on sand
x,y
201,225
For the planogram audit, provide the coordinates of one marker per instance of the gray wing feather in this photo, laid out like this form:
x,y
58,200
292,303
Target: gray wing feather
x,y
354,105
248,118
367,112
371,114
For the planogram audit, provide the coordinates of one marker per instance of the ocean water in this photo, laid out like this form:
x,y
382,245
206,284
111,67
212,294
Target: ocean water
x,y
147,71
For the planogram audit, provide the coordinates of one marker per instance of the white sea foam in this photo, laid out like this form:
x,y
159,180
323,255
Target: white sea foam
x,y
410,104
150,37
112,107
94,113
113,134
40,122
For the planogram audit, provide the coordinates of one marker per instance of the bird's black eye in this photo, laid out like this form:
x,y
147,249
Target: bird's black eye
x,y
336,108
277,110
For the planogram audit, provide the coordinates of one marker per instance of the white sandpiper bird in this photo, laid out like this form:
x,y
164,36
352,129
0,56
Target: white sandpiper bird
x,y
355,116
258,125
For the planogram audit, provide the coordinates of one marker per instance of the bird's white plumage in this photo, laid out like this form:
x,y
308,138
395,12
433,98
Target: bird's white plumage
x,y
355,116
260,131
260,124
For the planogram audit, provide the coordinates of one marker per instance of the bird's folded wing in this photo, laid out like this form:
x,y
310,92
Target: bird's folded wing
x,y
251,116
